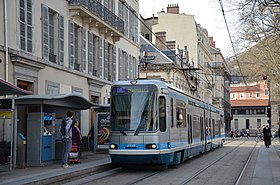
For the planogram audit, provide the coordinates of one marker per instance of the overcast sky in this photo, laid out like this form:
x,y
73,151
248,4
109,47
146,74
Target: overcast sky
x,y
207,13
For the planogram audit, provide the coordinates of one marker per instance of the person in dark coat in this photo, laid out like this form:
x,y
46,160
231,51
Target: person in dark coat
x,y
76,136
91,136
267,136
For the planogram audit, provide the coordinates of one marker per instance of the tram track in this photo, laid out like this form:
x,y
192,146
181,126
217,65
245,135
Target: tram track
x,y
133,177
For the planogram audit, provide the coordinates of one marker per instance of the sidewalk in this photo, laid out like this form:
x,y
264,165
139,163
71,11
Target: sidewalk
x,y
53,171
267,169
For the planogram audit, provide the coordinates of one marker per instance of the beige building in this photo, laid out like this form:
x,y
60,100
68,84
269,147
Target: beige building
x,y
201,69
69,46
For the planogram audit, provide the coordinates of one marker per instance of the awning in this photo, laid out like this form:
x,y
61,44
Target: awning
x,y
73,101
6,88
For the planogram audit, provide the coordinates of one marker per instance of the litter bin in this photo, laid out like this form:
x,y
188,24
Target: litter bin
x,y
21,150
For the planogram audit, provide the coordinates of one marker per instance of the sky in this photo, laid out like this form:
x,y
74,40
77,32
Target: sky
x,y
207,13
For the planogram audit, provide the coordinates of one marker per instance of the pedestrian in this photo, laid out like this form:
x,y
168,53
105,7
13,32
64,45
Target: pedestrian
x,y
267,136
278,134
232,134
248,133
67,138
91,137
76,136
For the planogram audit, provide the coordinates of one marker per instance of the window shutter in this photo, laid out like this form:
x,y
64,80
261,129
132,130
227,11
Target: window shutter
x,y
29,26
90,53
120,64
100,58
114,68
45,32
106,60
136,29
130,67
83,50
61,40
71,45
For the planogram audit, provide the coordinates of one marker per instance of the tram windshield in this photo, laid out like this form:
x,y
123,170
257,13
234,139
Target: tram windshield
x,y
132,108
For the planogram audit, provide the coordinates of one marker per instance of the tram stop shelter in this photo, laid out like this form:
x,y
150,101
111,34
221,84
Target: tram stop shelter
x,y
39,119
6,120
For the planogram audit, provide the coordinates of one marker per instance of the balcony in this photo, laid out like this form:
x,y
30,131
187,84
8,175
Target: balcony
x,y
97,15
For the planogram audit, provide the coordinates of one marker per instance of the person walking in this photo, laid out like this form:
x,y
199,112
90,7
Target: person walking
x,y
91,137
267,136
67,138
76,136
248,133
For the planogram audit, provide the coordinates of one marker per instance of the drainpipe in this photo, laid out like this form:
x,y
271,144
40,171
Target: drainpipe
x,y
6,41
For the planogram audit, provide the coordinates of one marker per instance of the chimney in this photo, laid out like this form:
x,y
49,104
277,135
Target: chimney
x,y
161,40
173,8
212,42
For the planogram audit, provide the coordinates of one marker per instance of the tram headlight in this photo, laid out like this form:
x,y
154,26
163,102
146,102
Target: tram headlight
x,y
150,146
113,146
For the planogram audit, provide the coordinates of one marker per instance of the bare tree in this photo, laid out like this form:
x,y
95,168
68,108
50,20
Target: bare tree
x,y
258,37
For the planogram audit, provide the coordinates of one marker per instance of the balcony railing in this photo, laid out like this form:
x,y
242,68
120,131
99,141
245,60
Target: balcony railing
x,y
102,12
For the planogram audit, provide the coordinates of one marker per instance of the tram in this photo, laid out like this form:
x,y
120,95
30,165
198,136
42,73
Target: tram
x,y
155,123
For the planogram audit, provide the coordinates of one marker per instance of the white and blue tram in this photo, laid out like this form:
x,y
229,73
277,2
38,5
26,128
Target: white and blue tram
x,y
154,123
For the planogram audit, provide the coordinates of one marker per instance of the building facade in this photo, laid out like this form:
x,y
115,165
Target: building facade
x,y
189,46
67,47
74,46
249,106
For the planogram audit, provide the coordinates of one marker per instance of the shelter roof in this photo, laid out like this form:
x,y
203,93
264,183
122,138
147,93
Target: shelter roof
x,y
62,100
6,88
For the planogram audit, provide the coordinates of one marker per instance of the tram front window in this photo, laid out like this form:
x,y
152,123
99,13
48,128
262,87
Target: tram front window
x,y
132,108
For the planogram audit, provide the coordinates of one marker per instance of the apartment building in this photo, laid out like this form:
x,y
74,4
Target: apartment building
x,y
80,47
203,70
249,105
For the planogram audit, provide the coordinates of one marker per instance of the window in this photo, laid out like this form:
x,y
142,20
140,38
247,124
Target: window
x,y
109,61
29,86
181,113
162,114
196,127
52,35
241,95
52,88
257,94
123,65
26,27
251,95
266,92
77,47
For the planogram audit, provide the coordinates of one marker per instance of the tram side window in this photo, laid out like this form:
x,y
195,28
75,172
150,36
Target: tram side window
x,y
181,114
162,114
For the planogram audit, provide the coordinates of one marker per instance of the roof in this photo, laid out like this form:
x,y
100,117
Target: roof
x,y
6,88
62,100
249,103
245,88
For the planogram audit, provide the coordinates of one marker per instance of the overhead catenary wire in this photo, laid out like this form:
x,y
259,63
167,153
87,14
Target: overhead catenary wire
x,y
232,45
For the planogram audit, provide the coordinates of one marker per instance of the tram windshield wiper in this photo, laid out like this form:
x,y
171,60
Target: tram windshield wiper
x,y
142,122
123,133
